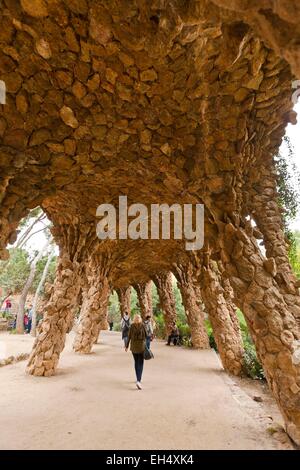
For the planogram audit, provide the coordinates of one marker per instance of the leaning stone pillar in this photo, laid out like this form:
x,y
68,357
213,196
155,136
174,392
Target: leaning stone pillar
x,y
271,322
229,299
268,217
124,295
103,324
192,305
93,311
144,294
58,316
163,282
227,336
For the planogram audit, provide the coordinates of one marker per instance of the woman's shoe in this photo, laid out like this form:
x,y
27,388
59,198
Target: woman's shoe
x,y
139,386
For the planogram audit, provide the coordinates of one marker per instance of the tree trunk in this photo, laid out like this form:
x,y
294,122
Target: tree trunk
x,y
22,301
37,293
27,232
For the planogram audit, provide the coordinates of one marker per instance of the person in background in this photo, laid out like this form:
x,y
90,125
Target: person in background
x,y
125,325
110,321
137,342
7,306
149,330
26,320
174,336
29,313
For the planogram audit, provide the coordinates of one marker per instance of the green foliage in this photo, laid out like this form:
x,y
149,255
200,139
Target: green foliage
x,y
185,333
182,325
14,274
184,329
134,305
294,251
179,306
251,367
288,183
211,338
114,313
39,272
160,325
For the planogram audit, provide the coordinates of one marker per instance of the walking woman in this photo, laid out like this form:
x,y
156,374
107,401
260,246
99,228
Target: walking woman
x,y
137,342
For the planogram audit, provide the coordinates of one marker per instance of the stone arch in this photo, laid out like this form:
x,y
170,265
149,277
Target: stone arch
x,y
160,108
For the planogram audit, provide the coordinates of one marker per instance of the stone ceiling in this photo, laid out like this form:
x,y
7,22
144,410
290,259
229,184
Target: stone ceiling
x,y
163,101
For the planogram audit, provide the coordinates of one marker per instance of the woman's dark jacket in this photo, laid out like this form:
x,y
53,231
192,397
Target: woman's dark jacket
x,y
136,338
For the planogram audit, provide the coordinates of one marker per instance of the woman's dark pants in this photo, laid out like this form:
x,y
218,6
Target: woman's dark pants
x,y
138,365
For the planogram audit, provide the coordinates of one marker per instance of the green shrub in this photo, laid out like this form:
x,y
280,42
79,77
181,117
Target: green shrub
x,y
251,366
185,333
117,326
210,335
160,325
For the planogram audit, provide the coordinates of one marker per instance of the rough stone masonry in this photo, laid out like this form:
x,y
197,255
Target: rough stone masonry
x,y
163,101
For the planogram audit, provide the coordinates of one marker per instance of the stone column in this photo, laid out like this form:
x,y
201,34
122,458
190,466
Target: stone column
x,y
271,322
163,282
268,217
144,294
58,316
103,324
229,299
192,305
93,311
124,295
225,328
76,308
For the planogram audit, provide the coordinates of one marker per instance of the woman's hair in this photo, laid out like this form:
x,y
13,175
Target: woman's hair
x,y
137,319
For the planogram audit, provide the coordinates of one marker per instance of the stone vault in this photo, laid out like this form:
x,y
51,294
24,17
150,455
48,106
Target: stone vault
x,y
163,101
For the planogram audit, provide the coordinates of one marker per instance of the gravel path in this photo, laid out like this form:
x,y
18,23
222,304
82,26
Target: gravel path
x,y
187,402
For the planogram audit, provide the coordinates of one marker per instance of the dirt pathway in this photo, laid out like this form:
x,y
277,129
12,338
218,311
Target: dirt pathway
x,y
187,402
